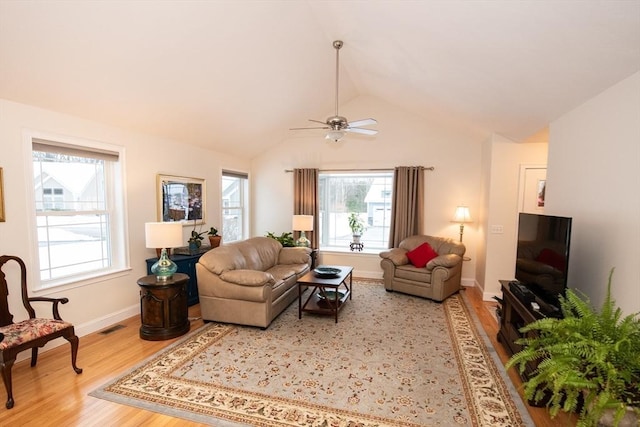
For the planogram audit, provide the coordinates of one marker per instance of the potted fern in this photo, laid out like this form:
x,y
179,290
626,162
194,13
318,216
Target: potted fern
x,y
588,361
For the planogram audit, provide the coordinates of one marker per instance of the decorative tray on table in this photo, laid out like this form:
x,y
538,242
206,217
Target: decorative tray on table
x,y
331,295
326,272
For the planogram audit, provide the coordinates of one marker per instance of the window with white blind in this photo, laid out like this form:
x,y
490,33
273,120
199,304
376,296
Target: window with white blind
x,y
235,197
79,210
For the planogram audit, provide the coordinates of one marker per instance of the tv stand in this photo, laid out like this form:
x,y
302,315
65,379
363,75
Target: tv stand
x,y
516,313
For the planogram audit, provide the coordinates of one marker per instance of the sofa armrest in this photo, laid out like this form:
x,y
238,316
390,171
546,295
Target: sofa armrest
x,y
247,277
446,260
294,255
397,256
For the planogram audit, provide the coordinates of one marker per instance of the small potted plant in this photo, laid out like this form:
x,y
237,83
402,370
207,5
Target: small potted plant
x,y
195,240
214,238
587,361
356,225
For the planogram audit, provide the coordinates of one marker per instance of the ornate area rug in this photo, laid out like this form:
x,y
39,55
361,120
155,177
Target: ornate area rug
x,y
391,360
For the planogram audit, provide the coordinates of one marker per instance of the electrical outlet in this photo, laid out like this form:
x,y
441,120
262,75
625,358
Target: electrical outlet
x,y
497,229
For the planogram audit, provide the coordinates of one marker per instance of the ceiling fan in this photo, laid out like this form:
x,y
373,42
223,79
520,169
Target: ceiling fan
x,y
337,124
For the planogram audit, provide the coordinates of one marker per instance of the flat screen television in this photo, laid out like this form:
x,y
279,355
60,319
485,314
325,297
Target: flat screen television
x,y
542,259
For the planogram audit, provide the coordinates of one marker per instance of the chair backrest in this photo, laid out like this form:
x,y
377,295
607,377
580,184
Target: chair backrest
x,y
441,245
6,318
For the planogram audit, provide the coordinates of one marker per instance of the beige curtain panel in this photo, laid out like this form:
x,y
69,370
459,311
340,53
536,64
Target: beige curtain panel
x,y
305,200
407,207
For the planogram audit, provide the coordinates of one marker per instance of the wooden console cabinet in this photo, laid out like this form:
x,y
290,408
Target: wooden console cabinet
x,y
186,264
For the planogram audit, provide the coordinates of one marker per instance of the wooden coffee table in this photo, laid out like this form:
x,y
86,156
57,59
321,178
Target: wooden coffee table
x,y
328,295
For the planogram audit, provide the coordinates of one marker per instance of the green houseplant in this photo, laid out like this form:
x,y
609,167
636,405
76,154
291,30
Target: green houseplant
x,y
356,225
286,239
195,239
214,237
587,361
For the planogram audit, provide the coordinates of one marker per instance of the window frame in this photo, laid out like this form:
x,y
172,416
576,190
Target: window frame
x,y
116,194
368,249
243,207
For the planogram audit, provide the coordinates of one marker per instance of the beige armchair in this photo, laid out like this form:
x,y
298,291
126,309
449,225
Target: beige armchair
x,y
437,280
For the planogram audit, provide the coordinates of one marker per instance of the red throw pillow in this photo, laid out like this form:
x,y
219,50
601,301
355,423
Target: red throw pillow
x,y
552,258
421,255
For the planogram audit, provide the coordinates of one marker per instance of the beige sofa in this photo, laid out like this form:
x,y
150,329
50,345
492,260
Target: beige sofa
x,y
249,282
439,279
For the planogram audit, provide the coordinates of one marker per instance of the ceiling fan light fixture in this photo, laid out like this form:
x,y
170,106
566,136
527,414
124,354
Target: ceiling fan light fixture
x,y
334,135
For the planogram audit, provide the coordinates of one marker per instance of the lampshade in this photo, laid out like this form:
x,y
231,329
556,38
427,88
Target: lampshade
x,y
302,223
163,234
334,135
462,215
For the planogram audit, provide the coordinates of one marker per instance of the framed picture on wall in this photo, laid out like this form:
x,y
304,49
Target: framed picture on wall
x,y
2,218
181,199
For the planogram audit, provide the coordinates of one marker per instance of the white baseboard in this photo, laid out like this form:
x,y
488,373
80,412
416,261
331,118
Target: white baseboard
x,y
469,283
368,274
96,325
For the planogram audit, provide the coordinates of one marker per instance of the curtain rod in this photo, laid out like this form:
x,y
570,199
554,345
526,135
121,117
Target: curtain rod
x,y
430,168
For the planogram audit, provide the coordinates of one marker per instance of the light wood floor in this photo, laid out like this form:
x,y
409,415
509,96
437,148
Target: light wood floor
x,y
51,394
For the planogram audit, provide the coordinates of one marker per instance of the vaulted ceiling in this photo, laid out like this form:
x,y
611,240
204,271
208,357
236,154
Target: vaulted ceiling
x,y
236,75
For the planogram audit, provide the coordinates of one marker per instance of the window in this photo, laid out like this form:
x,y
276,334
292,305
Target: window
x,y
369,194
235,196
79,202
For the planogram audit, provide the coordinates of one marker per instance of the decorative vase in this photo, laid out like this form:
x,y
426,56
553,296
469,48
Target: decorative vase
x,y
215,241
193,247
356,238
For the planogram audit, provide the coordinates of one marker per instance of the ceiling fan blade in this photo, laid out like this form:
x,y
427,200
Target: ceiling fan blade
x,y
337,124
318,121
361,130
362,122
325,127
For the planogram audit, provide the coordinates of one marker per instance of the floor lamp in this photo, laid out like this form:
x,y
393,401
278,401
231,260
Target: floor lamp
x,y
462,216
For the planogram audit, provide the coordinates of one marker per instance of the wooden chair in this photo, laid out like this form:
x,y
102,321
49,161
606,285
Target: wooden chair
x,y
31,333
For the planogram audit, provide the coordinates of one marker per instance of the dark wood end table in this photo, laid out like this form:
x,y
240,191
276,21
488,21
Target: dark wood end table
x,y
326,296
163,307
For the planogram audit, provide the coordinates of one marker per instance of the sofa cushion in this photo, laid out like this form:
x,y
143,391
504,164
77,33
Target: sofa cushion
x,y
281,272
409,272
298,255
421,255
247,277
260,253
223,258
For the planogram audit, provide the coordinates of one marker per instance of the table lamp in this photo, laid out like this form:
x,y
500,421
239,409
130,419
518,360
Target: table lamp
x,y
302,223
461,216
163,235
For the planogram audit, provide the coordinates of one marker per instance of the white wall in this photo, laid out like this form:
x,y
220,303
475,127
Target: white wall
x,y
403,140
101,303
594,177
502,159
